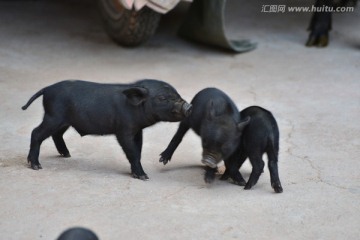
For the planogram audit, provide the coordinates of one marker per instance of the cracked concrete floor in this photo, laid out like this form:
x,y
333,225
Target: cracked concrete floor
x,y
313,93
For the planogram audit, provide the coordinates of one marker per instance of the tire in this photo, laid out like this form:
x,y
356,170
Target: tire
x,y
128,28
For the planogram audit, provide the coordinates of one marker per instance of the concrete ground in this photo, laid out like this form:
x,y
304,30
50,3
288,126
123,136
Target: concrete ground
x,y
313,93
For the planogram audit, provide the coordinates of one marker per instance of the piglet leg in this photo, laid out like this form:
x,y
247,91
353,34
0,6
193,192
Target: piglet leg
x,y
132,146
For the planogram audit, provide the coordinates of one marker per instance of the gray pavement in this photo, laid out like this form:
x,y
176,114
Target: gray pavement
x,y
313,93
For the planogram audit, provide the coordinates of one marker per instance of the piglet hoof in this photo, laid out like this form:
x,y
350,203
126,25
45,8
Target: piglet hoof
x,y
236,179
210,174
323,41
36,166
164,160
141,177
248,186
277,188
240,182
311,41
225,177
65,155
209,179
144,177
318,40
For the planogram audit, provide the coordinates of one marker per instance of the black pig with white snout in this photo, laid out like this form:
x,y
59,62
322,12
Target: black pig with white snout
x,y
103,109
216,119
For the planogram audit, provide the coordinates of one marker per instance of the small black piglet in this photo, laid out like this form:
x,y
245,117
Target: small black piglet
x,y
260,136
123,110
217,121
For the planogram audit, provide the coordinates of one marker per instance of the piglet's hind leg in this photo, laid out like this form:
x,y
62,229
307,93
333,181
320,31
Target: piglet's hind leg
x,y
273,168
60,143
258,167
38,135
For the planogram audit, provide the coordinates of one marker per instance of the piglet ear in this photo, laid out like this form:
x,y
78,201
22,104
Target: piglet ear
x,y
241,125
136,95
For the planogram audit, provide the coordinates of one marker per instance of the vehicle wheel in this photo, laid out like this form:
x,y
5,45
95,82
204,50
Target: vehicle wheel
x,y
128,28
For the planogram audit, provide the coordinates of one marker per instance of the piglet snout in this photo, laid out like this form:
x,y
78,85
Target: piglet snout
x,y
209,161
186,109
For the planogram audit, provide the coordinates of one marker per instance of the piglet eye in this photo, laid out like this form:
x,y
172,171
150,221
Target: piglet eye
x,y
162,98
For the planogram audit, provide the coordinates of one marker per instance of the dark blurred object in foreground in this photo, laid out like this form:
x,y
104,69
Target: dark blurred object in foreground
x,y
78,233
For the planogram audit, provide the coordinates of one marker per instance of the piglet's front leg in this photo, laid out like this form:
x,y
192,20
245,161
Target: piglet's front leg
x,y
166,155
210,173
132,146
